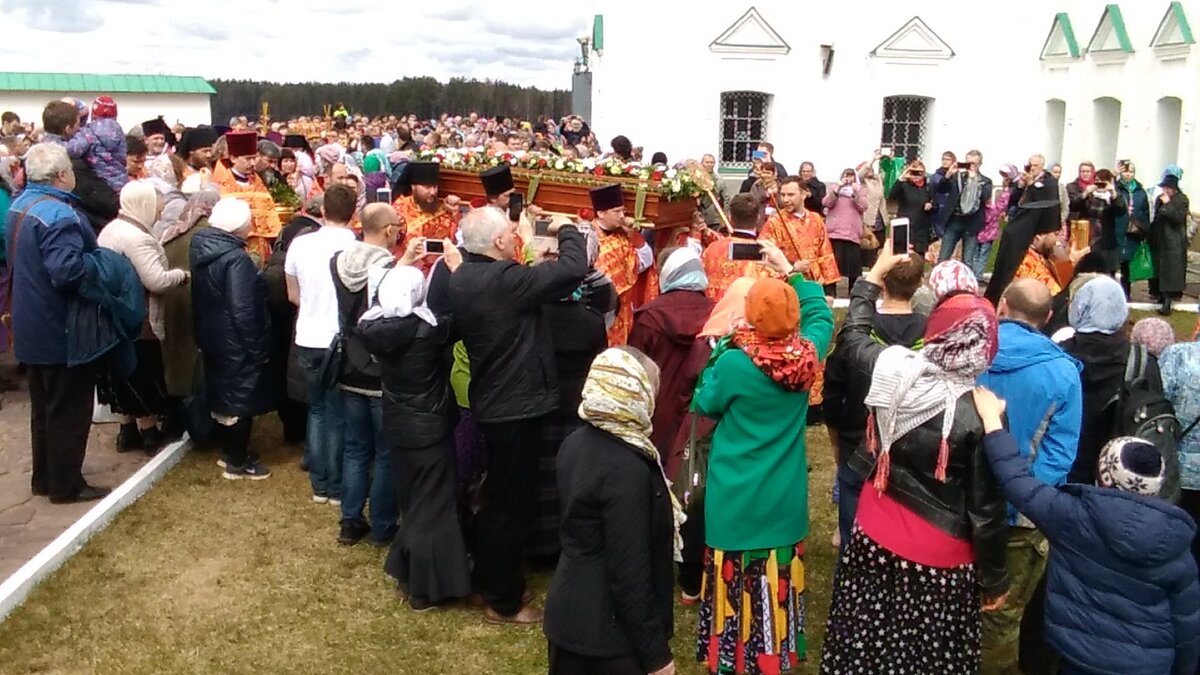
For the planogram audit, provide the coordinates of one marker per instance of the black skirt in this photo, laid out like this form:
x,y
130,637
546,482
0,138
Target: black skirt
x,y
144,392
543,539
428,557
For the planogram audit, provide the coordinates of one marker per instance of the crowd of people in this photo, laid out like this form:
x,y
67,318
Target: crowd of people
x,y
1018,476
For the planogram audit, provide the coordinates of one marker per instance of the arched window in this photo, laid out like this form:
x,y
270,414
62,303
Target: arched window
x,y
1167,118
743,125
1056,124
1106,131
904,122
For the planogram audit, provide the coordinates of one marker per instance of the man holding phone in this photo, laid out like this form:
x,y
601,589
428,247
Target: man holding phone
x,y
967,192
624,257
723,263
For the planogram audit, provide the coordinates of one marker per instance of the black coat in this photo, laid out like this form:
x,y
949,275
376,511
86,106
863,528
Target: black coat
x,y
910,203
1168,243
969,505
233,325
612,593
97,201
846,388
1104,358
497,307
418,406
815,201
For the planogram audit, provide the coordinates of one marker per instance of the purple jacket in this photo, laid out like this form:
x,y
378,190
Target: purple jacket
x,y
844,215
106,151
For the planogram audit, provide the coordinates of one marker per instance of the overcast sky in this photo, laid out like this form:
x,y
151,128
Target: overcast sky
x,y
525,42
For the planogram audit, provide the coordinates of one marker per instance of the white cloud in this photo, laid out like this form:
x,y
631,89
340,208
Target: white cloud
x,y
528,42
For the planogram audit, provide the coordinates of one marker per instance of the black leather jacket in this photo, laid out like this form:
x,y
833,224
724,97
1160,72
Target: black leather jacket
x,y
969,505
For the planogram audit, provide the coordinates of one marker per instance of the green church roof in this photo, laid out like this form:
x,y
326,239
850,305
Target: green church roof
x,y
104,84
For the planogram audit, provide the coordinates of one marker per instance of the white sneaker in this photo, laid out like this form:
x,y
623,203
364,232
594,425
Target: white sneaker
x,y
335,502
320,499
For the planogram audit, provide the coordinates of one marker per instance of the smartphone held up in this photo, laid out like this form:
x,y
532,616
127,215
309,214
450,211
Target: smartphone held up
x,y
900,228
745,251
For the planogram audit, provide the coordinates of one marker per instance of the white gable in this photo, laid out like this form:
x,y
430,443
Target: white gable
x,y
1171,30
1057,44
750,34
914,42
1105,39
1060,44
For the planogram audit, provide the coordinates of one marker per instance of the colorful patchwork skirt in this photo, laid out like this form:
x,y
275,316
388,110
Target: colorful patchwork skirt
x,y
752,612
891,615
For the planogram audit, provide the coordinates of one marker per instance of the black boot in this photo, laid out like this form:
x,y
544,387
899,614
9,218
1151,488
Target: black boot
x,y
128,438
1165,310
152,440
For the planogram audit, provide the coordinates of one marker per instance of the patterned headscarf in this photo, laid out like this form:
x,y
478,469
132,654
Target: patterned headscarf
x,y
950,277
1098,307
910,388
618,397
199,205
1153,333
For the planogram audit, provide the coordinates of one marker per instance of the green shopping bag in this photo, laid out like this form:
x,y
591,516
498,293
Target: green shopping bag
x,y
1141,267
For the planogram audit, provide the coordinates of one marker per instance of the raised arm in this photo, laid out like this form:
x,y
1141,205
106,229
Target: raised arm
x,y
552,280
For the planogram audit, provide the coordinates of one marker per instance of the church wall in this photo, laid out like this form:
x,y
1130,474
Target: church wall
x,y
659,83
190,109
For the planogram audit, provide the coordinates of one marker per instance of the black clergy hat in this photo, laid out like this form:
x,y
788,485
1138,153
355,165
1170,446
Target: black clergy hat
x,y
497,180
423,173
298,142
158,126
195,138
606,197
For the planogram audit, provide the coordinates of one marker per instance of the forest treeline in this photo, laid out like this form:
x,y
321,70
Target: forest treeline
x,y
424,96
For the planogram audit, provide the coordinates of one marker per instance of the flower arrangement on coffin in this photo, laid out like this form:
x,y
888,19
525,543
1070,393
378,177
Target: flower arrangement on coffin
x,y
672,183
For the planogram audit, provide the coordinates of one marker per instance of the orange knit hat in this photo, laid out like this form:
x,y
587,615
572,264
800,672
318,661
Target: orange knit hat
x,y
773,308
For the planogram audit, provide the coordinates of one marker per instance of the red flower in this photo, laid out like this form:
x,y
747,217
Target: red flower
x,y
542,162
599,171
657,175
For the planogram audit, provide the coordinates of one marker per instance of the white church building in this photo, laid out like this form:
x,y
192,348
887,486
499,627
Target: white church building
x,y
829,82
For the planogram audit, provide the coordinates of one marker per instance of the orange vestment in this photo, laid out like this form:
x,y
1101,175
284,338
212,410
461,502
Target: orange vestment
x,y
1035,266
722,272
804,238
264,220
619,262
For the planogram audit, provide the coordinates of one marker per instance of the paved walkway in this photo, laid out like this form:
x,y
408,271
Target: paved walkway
x,y
28,523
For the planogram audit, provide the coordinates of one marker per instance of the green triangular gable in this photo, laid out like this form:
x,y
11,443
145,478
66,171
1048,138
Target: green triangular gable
x,y
1110,35
1061,37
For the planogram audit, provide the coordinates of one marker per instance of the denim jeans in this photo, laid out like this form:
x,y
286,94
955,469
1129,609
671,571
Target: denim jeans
x,y
326,420
850,486
959,228
367,466
983,251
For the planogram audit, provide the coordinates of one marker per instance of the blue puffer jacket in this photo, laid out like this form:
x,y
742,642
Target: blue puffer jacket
x,y
1041,384
107,313
1122,592
47,264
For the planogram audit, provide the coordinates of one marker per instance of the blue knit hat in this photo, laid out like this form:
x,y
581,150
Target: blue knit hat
x,y
1132,465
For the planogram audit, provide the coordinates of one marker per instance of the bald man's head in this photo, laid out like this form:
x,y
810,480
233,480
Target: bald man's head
x,y
1027,301
380,224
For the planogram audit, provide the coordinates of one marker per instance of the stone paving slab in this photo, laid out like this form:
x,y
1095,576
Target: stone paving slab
x,y
28,523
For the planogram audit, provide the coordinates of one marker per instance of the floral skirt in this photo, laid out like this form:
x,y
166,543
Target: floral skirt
x,y
752,612
890,615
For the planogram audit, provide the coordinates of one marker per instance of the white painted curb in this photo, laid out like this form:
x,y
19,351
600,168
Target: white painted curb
x,y
16,588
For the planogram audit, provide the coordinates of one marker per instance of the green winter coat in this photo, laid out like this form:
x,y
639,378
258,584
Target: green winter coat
x,y
757,486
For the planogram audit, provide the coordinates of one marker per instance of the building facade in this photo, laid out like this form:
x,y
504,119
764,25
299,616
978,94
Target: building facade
x,y
139,97
830,83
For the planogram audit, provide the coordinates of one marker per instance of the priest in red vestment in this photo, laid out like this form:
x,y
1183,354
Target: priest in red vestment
x,y
624,256
425,215
801,235
721,270
235,177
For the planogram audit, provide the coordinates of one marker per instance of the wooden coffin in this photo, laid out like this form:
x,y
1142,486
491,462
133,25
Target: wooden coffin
x,y
568,193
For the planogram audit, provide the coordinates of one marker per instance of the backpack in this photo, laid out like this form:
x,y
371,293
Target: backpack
x,y
1142,411
273,272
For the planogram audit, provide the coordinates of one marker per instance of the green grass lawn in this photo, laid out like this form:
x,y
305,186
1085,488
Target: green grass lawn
x,y
204,575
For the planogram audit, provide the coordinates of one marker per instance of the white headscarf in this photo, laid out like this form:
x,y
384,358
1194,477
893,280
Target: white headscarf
x,y
400,293
139,203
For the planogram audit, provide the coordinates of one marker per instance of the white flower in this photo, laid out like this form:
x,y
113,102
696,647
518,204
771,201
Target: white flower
x,y
560,165
670,173
589,163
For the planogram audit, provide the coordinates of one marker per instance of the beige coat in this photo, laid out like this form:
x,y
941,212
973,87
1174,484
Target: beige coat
x,y
149,259
876,203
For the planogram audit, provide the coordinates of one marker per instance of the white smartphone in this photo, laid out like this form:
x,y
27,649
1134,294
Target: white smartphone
x,y
899,236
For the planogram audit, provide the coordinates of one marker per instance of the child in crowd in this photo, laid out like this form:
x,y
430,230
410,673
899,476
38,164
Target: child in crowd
x,y
106,150
1122,591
